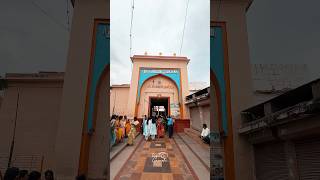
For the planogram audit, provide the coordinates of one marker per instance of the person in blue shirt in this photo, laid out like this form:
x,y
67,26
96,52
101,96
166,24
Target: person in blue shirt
x,y
170,126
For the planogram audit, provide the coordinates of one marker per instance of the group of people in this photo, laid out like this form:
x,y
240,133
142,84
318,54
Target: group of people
x,y
122,127
14,173
153,127
156,127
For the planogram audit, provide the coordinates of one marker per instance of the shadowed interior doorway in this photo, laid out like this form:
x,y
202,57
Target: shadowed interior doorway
x,y
159,106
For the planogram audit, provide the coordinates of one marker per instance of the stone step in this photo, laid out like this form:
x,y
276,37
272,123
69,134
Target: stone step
x,y
200,168
195,135
201,152
116,149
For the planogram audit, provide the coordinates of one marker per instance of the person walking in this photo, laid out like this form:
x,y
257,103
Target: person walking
x,y
165,123
128,127
170,126
160,128
153,128
146,128
123,125
142,124
133,131
119,130
113,130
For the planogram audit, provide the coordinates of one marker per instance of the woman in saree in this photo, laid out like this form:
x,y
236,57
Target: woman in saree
x,y
112,130
133,131
128,127
123,126
160,128
119,131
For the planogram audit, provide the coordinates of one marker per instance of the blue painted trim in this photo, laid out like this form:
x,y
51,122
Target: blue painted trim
x,y
145,73
217,60
100,61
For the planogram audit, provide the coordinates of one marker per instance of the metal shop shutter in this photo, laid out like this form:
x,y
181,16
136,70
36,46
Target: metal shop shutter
x,y
195,118
308,158
270,161
206,115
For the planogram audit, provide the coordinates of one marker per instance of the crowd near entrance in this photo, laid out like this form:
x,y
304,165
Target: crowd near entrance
x,y
157,151
150,128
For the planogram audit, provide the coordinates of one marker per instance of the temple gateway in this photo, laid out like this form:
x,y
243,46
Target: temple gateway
x,y
159,86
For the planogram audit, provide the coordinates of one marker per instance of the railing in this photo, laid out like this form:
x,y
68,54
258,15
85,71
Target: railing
x,y
3,163
197,98
25,162
277,117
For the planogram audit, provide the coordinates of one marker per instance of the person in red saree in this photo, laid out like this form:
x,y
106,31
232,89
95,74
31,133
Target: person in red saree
x,y
160,128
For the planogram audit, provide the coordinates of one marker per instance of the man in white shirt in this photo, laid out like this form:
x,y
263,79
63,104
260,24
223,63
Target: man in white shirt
x,y
205,134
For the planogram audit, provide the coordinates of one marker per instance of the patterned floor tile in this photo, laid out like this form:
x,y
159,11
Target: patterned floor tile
x,y
144,166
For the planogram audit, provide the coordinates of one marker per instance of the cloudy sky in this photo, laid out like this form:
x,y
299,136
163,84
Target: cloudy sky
x,y
34,37
158,27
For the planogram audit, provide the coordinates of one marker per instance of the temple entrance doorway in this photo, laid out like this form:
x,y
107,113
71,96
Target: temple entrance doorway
x,y
159,95
159,106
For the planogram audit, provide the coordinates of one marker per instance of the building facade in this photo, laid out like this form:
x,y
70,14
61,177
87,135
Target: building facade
x,y
159,85
199,106
81,145
271,80
29,118
284,134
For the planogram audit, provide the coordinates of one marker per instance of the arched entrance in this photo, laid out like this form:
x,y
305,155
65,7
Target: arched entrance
x,y
82,140
221,123
159,95
172,67
94,156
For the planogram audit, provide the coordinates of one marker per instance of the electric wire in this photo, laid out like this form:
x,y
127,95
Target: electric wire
x,y
131,25
184,26
44,12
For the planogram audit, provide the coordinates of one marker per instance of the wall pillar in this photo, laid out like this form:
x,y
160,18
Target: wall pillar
x,y
232,13
70,125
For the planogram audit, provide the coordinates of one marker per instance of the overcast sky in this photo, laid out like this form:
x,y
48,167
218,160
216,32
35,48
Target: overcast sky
x,y
158,27
33,36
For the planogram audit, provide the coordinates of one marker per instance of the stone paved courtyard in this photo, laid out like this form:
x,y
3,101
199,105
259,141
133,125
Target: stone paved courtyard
x,y
157,160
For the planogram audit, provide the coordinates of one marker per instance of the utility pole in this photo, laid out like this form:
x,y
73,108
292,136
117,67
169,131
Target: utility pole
x,y
14,131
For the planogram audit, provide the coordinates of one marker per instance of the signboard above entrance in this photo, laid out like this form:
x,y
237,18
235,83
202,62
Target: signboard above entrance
x,y
161,71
